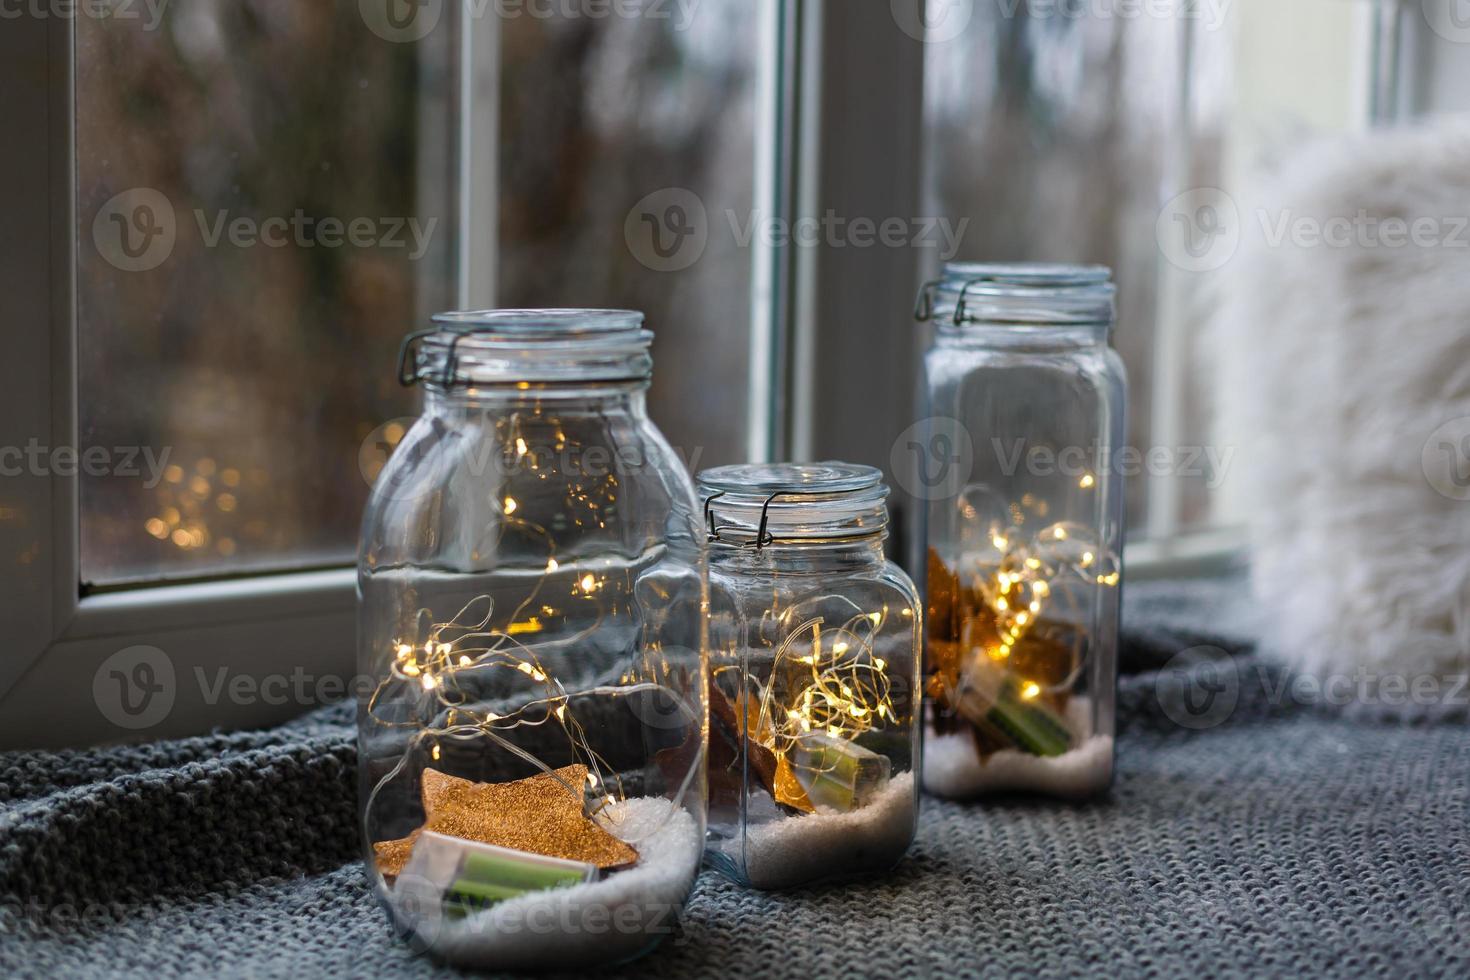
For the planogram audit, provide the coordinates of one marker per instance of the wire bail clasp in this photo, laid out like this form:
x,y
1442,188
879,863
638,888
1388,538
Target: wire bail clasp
x,y
408,374
959,304
924,305
763,536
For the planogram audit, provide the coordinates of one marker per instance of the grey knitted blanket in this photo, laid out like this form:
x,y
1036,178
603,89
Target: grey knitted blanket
x,y
1247,833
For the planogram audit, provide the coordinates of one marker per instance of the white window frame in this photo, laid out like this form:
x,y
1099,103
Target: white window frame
x,y
289,625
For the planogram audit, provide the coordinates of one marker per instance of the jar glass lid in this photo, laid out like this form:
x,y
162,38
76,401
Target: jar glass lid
x,y
490,347
1019,294
758,504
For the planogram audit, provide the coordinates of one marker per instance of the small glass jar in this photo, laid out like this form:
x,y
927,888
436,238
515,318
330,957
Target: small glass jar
x,y
1024,529
814,676
532,617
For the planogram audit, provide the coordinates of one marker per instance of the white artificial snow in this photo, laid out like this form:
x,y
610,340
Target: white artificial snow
x,y
953,768
794,850
595,924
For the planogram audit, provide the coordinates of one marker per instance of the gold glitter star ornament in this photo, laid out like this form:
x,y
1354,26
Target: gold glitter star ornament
x,y
538,815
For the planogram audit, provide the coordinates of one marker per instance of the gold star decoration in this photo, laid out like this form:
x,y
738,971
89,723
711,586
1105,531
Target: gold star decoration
x,y
537,815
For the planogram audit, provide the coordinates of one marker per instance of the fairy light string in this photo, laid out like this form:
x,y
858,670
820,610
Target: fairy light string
x,y
822,680
438,675
1024,579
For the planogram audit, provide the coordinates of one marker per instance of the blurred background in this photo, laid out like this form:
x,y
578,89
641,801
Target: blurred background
x,y
264,369
519,144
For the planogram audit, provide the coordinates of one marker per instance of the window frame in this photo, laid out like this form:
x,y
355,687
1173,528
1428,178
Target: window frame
x,y
288,625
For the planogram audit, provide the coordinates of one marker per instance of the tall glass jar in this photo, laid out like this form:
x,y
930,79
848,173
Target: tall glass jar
x,y
814,677
532,616
1024,518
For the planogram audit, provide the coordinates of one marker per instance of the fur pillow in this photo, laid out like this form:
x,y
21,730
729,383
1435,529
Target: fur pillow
x,y
1342,328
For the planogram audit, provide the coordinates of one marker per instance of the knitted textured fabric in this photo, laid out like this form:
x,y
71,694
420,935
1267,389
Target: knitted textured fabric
x,y
1271,838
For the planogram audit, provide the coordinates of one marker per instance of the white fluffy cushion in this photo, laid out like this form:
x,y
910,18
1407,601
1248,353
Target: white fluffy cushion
x,y
1339,363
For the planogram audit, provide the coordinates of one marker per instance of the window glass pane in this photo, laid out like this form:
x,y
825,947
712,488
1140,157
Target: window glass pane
x,y
1059,135
1276,77
1048,133
254,238
268,200
619,128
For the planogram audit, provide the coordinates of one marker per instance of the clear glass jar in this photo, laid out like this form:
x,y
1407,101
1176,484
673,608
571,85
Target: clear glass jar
x,y
1024,529
532,617
814,676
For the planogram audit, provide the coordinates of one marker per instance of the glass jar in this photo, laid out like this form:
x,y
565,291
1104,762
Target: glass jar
x,y
532,618
1024,529
814,676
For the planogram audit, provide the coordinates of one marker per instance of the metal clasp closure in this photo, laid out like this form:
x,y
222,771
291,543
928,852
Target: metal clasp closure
x,y
924,307
763,536
959,304
408,373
